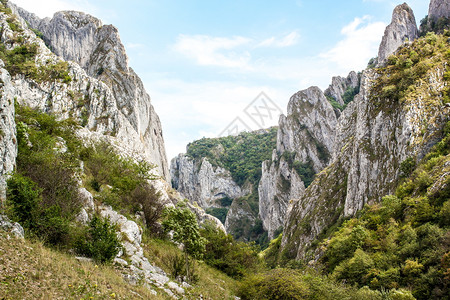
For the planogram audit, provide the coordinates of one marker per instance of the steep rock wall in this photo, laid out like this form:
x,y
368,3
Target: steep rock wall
x,y
200,182
97,48
403,26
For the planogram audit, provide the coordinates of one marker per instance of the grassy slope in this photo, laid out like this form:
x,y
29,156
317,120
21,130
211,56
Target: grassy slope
x,y
29,270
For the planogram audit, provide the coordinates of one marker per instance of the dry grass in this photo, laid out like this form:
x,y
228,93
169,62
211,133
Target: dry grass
x,y
211,284
28,270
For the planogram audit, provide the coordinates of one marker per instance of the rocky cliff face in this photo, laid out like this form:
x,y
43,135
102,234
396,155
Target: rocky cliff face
x,y
97,48
279,184
305,140
438,9
8,141
403,27
340,85
200,182
373,136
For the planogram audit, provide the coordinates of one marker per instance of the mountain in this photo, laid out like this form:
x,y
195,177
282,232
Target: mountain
x,y
222,175
81,145
97,49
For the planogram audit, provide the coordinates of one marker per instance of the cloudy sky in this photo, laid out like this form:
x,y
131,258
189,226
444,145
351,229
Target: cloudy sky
x,y
204,62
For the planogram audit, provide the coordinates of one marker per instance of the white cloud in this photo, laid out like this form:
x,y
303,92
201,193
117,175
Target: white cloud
x,y
360,43
214,51
192,110
228,52
289,40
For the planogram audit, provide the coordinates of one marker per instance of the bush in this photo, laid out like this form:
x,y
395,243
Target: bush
x,y
235,259
275,284
24,197
26,205
99,240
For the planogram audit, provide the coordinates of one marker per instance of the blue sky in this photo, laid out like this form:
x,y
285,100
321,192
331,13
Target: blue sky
x,y
204,62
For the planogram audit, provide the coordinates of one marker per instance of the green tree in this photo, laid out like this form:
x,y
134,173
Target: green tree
x,y
182,222
99,240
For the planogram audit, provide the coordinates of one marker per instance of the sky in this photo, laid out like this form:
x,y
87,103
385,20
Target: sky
x,y
215,67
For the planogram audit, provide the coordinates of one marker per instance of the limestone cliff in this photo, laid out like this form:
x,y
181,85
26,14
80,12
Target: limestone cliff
x,y
97,48
438,9
200,182
340,85
403,27
8,141
374,134
305,141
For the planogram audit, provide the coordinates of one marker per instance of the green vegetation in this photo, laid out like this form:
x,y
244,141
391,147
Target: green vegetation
x,y
21,60
30,270
218,212
347,97
242,155
399,81
436,26
401,242
182,223
236,259
99,240
304,170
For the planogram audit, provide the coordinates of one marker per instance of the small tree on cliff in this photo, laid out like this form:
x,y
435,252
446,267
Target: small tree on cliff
x,y
181,221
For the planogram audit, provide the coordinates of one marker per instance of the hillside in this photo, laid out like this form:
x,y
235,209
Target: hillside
x,y
349,196
222,176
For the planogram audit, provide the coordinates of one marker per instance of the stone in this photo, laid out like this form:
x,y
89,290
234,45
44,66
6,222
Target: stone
x,y
307,135
340,84
438,9
12,227
176,288
199,181
402,28
120,262
98,50
8,139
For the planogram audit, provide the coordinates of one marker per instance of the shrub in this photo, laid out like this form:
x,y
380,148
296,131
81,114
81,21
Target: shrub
x,y
26,204
24,198
236,259
99,240
275,284
407,167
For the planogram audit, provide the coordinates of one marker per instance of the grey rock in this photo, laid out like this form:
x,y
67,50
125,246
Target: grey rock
x,y
402,27
308,129
8,139
84,259
120,262
438,9
278,185
175,287
97,48
199,181
370,143
12,227
306,135
82,217
340,84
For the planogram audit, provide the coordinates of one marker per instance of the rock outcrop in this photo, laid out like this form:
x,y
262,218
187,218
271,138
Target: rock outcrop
x,y
438,9
199,181
97,48
8,141
305,138
339,85
11,227
279,184
403,27
372,139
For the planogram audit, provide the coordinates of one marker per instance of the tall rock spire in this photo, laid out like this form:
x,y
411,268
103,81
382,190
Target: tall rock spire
x,y
403,26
